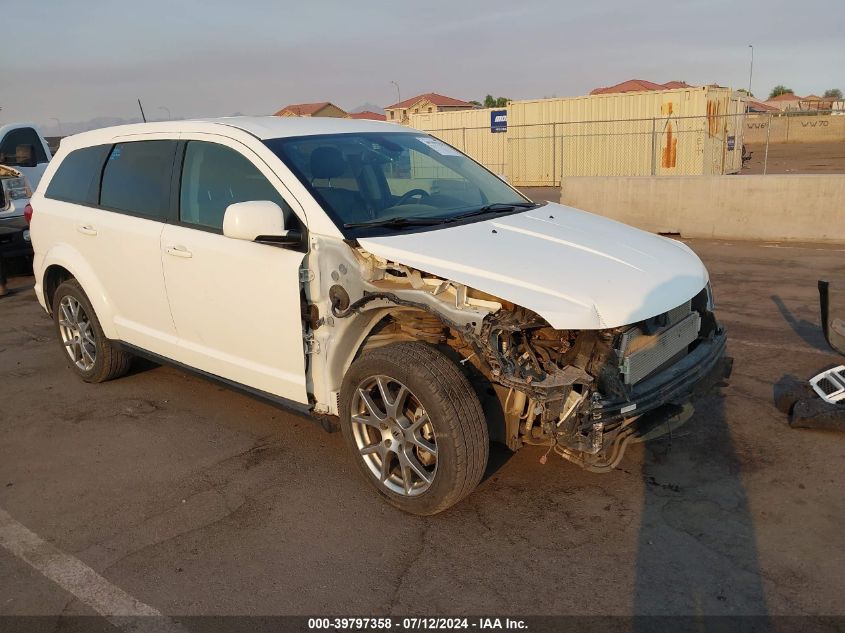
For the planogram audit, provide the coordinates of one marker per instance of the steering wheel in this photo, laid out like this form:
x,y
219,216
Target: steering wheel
x,y
421,193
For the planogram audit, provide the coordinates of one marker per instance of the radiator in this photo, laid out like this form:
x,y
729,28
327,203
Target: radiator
x,y
642,353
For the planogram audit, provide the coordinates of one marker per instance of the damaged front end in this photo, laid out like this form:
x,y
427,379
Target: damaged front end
x,y
586,394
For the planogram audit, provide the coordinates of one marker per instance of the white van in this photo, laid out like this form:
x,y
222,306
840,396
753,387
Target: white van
x,y
373,275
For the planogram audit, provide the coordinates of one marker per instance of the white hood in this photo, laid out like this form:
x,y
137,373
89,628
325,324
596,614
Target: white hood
x,y
575,269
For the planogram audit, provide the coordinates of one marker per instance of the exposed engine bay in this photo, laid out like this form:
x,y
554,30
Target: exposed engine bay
x,y
578,392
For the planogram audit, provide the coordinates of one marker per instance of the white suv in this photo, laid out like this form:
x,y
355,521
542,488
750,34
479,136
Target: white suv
x,y
375,276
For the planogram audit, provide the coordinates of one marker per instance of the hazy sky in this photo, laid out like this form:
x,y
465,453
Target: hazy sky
x,y
79,59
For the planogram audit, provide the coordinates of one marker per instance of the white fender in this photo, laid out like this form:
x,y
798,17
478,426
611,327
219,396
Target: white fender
x,y
69,258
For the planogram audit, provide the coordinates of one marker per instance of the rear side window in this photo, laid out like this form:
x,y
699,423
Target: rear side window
x,y
215,176
136,178
18,147
78,177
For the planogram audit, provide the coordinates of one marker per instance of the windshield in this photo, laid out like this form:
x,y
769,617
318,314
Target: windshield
x,y
391,181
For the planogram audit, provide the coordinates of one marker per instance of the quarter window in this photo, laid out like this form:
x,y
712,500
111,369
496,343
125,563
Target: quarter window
x,y
136,178
215,176
77,178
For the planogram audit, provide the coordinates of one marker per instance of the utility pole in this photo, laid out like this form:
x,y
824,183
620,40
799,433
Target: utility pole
x,y
751,69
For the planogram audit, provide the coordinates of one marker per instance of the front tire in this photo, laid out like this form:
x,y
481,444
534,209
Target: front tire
x,y
414,426
90,355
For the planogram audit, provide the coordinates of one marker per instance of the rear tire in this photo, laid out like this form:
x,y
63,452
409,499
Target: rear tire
x,y
88,352
414,427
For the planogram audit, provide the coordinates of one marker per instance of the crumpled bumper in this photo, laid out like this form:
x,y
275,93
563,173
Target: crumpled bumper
x,y
695,374
655,406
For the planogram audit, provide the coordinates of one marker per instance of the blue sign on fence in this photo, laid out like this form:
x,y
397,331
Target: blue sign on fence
x,y
498,120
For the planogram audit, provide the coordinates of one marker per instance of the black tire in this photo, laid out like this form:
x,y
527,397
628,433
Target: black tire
x,y
109,361
453,409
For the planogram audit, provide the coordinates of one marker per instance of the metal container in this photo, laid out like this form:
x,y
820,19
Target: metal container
x,y
470,132
688,131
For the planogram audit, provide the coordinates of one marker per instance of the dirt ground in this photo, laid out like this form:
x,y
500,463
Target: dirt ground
x,y
197,500
797,158
784,158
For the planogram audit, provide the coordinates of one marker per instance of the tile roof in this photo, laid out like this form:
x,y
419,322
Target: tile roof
x,y
632,85
367,114
639,85
433,97
786,96
305,109
759,106
670,85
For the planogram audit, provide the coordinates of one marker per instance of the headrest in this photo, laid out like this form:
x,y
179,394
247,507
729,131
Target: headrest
x,y
23,153
327,162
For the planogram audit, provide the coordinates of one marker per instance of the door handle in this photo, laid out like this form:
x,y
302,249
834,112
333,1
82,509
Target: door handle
x,y
179,251
86,229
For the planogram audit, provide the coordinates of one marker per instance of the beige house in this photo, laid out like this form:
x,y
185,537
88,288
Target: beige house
x,y
421,104
815,102
323,108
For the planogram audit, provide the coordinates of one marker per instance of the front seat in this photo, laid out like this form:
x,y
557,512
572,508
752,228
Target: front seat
x,y
327,163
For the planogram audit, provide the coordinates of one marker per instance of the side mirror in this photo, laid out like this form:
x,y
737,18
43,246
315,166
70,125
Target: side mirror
x,y
25,156
258,221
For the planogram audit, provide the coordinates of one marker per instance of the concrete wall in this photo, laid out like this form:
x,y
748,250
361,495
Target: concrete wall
x,y
809,208
823,128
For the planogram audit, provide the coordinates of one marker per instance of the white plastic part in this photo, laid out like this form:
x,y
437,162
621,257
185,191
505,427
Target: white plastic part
x,y
248,220
830,384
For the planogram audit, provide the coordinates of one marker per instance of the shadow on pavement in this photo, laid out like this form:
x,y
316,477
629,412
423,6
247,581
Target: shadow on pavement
x,y
697,552
809,331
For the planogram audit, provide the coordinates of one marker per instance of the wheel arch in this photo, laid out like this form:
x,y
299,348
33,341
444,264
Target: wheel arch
x,y
62,263
344,349
372,323
54,276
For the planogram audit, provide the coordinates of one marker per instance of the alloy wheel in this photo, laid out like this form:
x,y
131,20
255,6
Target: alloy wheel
x,y
77,333
394,435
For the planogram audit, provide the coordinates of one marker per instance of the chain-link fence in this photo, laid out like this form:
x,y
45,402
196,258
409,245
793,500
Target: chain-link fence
x,y
541,154
801,142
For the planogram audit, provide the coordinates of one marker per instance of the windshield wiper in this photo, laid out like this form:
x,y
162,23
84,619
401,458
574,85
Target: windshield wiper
x,y
396,222
496,207
399,222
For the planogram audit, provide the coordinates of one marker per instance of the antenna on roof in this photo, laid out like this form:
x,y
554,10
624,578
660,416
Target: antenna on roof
x,y
143,116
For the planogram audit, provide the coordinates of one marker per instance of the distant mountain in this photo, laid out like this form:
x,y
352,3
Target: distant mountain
x,y
367,107
75,127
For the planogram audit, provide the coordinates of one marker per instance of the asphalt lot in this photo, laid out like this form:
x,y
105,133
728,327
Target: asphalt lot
x,y
197,500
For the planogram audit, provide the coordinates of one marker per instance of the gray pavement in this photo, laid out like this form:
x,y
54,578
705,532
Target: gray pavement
x,y
197,500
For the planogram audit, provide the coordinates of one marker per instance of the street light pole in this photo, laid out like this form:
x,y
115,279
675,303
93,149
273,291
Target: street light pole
x,y
751,69
398,94
166,109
